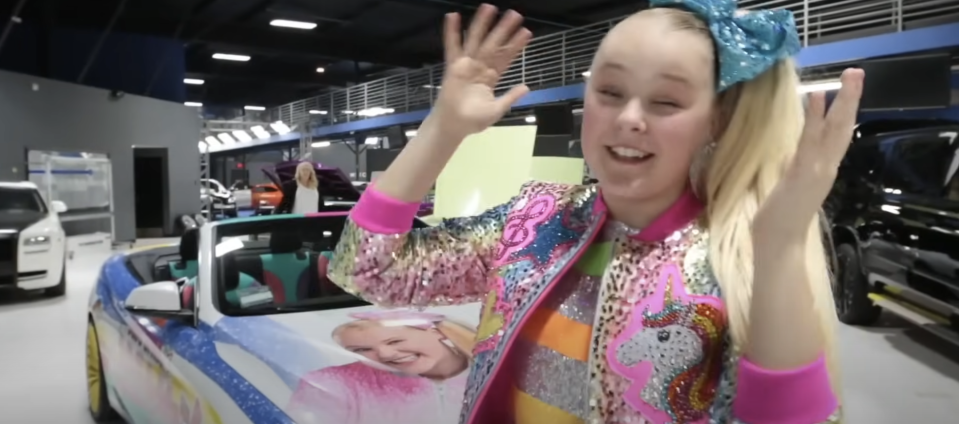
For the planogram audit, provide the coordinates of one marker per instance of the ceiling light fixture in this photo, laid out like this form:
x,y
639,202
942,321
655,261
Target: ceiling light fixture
x,y
587,74
531,119
233,57
193,104
254,108
375,111
193,81
319,144
226,138
212,141
243,136
280,127
317,112
819,86
260,132
320,70
285,23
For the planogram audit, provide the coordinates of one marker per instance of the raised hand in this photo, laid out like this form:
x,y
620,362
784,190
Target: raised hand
x,y
473,68
826,137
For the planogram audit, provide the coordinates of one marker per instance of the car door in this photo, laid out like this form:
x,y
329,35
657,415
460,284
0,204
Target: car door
x,y
920,237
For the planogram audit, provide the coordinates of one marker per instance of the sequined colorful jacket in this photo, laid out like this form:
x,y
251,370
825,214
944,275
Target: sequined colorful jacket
x,y
512,255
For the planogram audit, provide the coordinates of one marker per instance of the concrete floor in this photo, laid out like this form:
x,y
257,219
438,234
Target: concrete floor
x,y
893,373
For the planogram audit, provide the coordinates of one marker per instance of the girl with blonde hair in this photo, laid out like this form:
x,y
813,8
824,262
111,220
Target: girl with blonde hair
x,y
302,194
689,285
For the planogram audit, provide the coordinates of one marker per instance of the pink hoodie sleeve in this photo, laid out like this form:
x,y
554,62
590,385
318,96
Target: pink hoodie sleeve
x,y
382,259
799,396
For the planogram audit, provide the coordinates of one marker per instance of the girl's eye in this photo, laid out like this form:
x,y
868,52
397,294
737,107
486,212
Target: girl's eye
x,y
666,103
361,350
393,342
610,93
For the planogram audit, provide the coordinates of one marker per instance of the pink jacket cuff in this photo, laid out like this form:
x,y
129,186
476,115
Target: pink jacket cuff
x,y
382,214
798,396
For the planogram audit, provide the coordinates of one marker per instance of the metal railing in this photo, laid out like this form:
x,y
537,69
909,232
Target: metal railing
x,y
561,58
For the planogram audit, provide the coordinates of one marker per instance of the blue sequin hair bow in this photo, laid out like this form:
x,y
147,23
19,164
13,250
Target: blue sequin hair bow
x,y
748,43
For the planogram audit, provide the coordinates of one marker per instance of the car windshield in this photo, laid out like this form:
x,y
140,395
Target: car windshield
x,y
20,200
275,265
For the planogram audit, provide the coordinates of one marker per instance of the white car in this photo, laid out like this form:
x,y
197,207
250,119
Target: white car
x,y
239,324
33,250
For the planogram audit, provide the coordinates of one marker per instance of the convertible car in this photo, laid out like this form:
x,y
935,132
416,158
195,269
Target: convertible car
x,y
239,323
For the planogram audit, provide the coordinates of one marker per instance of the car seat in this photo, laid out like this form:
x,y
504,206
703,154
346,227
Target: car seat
x,y
187,266
284,265
325,286
239,274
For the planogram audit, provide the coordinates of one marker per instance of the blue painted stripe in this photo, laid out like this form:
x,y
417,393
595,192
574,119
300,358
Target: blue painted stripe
x,y
195,345
63,171
897,43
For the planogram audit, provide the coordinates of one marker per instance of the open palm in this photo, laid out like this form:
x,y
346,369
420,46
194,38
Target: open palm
x,y
474,67
809,178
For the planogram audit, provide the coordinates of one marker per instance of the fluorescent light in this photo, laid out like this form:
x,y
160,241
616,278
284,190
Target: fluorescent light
x,y
348,112
531,119
212,141
292,24
319,144
254,108
193,81
317,112
411,133
243,136
193,104
202,146
432,87
587,74
819,86
233,57
372,141
320,70
280,127
260,132
375,111
225,138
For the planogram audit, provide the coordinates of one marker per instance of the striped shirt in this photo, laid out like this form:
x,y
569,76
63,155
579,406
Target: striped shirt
x,y
550,360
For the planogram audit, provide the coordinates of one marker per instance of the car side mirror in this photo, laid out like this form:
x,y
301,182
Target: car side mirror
x,y
58,206
161,299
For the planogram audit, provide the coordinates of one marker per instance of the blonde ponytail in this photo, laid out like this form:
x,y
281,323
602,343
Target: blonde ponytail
x,y
763,122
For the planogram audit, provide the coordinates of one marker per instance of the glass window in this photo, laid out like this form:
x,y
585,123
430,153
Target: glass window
x,y
918,164
13,199
278,265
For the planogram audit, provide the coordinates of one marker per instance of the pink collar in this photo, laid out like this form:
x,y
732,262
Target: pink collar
x,y
680,214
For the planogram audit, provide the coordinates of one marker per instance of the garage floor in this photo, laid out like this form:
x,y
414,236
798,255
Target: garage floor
x,y
894,374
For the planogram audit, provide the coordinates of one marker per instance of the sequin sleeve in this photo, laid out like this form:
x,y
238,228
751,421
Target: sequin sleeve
x,y
382,259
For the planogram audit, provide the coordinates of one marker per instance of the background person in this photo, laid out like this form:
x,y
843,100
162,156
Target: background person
x,y
301,195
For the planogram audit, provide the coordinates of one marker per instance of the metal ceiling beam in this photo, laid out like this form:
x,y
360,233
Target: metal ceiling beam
x,y
274,74
292,43
446,6
92,58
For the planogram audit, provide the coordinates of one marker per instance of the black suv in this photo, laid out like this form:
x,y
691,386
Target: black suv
x,y
895,225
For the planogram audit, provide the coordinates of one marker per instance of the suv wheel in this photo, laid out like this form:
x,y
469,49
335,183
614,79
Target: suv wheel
x,y
852,290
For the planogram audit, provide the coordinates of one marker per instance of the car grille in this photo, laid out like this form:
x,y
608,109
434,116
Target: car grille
x,y
8,260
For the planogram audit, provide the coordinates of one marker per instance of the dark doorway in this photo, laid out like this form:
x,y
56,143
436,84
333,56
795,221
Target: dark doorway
x,y
151,196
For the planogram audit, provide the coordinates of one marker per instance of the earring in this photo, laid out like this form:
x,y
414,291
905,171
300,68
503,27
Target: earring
x,y
699,167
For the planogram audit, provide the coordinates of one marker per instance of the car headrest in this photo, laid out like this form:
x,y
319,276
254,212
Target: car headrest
x,y
190,245
285,242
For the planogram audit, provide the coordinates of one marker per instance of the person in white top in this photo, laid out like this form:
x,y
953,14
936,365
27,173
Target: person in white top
x,y
302,194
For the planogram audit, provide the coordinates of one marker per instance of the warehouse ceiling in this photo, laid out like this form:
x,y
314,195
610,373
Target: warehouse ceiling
x,y
353,40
